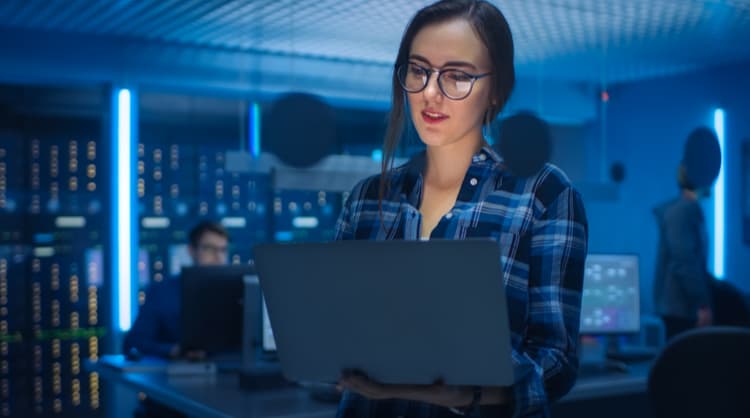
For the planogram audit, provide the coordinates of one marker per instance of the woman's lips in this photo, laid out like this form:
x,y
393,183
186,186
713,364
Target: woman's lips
x,y
433,117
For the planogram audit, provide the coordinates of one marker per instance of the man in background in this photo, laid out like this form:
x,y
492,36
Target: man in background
x,y
155,331
682,284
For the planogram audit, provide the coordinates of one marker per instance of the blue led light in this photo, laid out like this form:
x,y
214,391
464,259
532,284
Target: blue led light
x,y
718,195
283,236
123,235
254,130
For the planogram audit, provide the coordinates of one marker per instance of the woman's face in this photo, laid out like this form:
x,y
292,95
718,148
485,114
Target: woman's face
x,y
439,120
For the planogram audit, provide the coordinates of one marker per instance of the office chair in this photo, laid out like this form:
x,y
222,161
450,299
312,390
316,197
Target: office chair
x,y
703,373
729,305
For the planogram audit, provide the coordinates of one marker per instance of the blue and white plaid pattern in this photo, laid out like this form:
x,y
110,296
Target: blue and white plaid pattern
x,y
540,223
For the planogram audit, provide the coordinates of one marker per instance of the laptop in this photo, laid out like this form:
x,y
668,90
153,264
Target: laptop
x,y
401,312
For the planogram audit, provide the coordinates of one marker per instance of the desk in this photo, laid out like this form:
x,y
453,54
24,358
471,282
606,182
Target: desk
x,y
614,395
213,396
635,381
219,395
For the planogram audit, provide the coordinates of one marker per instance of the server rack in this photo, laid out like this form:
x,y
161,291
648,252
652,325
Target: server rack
x,y
53,223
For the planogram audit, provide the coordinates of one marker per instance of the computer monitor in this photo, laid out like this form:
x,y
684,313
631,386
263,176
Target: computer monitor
x,y
269,343
611,296
212,307
260,342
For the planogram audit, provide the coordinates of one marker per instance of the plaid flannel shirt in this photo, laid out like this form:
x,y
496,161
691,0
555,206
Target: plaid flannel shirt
x,y
540,224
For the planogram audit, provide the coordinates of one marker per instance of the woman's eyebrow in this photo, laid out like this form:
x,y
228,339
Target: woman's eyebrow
x,y
447,64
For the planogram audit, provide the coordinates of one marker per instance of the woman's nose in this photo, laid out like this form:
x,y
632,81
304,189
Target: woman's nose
x,y
432,90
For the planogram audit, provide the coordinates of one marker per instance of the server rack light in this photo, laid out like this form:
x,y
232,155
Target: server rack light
x,y
718,250
124,234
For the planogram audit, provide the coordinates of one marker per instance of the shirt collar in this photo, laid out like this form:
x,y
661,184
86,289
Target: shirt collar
x,y
412,183
486,153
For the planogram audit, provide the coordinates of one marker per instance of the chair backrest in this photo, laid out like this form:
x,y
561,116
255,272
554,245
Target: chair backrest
x,y
703,373
730,306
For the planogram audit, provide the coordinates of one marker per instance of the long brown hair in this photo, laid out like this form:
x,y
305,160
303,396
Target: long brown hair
x,y
491,27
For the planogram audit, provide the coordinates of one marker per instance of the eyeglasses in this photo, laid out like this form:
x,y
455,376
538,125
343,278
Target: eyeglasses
x,y
455,84
212,248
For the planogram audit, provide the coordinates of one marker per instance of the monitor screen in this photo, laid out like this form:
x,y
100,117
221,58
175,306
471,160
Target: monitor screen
x,y
611,294
269,343
212,307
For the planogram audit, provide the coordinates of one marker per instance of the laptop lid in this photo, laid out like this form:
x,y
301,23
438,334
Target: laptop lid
x,y
403,312
212,308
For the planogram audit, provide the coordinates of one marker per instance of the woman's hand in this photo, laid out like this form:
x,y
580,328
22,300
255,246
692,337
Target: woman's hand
x,y
705,317
368,388
437,393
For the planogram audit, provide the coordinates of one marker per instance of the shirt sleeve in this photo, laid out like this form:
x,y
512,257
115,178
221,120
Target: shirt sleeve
x,y
144,334
346,223
546,363
344,229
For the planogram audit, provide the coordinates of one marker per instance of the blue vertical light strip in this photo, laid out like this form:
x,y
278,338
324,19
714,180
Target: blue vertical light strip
x,y
254,129
718,250
123,235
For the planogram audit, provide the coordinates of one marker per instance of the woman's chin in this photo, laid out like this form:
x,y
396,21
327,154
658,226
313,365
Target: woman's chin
x,y
432,139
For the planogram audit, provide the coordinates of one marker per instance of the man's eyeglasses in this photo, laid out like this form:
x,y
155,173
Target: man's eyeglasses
x,y
455,84
212,248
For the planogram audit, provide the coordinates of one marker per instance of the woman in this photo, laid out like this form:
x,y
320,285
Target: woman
x,y
454,70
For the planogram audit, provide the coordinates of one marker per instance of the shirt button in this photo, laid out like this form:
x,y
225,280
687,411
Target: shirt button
x,y
473,181
448,215
482,157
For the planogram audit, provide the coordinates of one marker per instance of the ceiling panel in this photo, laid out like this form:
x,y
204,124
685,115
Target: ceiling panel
x,y
580,40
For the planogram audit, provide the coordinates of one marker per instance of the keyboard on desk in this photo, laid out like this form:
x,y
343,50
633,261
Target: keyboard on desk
x,y
633,354
603,369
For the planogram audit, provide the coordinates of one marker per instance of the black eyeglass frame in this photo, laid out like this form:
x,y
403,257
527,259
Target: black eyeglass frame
x,y
440,72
